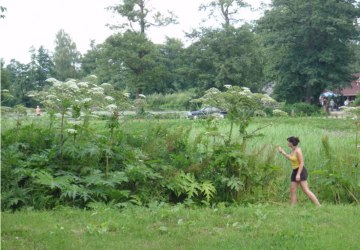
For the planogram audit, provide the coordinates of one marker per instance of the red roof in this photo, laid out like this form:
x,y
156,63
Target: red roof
x,y
354,90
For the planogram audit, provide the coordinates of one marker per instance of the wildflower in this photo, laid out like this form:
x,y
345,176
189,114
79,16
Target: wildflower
x,y
111,107
52,80
85,100
83,84
106,85
72,85
126,94
71,131
50,96
97,91
227,86
74,122
109,98
278,112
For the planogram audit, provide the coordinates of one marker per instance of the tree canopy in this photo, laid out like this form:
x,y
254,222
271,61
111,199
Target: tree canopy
x,y
308,45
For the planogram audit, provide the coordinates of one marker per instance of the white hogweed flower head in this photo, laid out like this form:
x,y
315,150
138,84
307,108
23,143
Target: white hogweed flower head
x,y
109,98
83,84
71,131
111,107
86,100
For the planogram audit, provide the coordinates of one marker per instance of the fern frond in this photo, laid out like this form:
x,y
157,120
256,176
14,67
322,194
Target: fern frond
x,y
208,189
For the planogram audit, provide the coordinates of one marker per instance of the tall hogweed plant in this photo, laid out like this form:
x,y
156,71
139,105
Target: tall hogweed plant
x,y
227,163
76,102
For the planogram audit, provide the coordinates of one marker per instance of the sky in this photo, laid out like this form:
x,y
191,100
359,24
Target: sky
x,y
35,23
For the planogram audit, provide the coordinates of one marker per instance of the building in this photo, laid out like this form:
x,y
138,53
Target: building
x,y
351,92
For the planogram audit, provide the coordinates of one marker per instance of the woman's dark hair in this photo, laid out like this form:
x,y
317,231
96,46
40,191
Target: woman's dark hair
x,y
294,140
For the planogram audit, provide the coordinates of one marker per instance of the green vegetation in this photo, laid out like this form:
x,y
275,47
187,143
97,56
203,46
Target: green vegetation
x,y
174,227
172,161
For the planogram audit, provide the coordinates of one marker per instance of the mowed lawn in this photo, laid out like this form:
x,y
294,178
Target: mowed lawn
x,y
272,226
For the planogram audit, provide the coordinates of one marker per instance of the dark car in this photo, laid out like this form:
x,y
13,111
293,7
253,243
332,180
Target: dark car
x,y
206,112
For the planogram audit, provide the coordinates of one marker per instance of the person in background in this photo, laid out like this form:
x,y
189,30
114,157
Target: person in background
x,y
332,104
299,173
38,110
346,103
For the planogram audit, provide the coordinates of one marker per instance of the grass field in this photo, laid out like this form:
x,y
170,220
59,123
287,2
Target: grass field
x,y
276,226
269,223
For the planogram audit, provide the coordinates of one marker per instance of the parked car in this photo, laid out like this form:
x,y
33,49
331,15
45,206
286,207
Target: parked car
x,y
206,112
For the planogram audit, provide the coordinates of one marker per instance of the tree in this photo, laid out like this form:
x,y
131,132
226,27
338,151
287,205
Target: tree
x,y
227,56
89,61
6,97
173,60
227,8
41,66
309,46
21,81
66,57
138,13
2,10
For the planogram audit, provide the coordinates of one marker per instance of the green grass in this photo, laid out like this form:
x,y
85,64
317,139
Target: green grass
x,y
176,227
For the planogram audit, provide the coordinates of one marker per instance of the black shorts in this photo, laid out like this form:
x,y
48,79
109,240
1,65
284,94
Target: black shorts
x,y
303,175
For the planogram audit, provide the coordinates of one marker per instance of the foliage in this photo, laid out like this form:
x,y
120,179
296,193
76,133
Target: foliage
x,y
228,56
138,12
240,105
66,57
142,162
227,8
309,46
2,10
301,109
21,78
174,101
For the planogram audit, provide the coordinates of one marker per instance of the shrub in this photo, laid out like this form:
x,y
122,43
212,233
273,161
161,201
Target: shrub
x,y
301,109
278,112
180,100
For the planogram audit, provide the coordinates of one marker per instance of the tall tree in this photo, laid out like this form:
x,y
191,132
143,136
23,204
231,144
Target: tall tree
x,y
227,56
41,66
138,12
89,61
66,57
129,61
309,45
228,10
173,61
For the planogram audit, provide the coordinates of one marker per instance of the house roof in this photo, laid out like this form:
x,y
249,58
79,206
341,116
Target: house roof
x,y
354,89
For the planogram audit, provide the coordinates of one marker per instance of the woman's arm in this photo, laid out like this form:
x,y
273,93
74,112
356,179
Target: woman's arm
x,y
300,158
281,151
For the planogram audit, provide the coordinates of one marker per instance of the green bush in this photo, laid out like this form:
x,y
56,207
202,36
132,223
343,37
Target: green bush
x,y
178,101
301,109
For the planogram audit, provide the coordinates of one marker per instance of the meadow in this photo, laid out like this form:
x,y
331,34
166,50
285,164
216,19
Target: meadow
x,y
262,226
177,184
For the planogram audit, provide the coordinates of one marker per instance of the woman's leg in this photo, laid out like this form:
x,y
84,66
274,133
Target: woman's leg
x,y
293,189
307,191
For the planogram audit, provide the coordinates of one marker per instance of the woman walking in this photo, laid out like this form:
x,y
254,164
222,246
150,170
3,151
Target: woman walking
x,y
299,173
